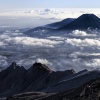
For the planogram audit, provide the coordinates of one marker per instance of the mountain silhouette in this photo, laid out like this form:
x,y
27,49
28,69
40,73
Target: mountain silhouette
x,y
38,31
11,79
40,78
85,21
15,79
60,24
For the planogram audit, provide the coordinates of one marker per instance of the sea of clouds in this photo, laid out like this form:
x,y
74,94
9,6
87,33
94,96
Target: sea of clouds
x,y
76,50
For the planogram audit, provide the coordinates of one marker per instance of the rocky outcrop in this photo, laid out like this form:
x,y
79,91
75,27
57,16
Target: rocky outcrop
x,y
38,77
17,83
11,79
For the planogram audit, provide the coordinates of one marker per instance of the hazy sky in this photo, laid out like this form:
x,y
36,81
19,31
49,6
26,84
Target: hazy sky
x,y
12,4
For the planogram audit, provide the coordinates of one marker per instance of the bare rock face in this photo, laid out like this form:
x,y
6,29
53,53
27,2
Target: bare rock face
x,y
41,67
38,77
17,83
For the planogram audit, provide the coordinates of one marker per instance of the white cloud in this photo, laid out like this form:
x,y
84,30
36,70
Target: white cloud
x,y
84,42
9,38
77,50
94,62
58,52
43,61
3,61
79,33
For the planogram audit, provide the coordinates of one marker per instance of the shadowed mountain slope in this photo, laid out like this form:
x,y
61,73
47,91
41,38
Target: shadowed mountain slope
x,y
16,79
40,78
85,21
88,91
60,24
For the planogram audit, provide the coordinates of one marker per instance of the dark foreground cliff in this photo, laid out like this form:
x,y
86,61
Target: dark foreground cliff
x,y
39,82
81,93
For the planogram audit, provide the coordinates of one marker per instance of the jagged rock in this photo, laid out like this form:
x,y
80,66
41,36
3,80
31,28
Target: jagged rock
x,y
40,78
36,76
16,79
11,79
41,67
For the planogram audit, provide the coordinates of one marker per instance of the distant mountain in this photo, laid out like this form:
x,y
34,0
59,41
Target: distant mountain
x,y
85,21
38,31
40,78
62,23
47,29
42,30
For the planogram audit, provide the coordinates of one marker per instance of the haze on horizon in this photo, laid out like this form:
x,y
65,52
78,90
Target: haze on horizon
x,y
19,4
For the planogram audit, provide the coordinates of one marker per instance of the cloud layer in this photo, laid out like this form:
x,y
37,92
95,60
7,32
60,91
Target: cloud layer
x,y
60,13
77,50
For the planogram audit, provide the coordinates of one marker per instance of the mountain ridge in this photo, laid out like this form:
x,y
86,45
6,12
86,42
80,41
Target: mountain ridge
x,y
59,24
84,21
40,78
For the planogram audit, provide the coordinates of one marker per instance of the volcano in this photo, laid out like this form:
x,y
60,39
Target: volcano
x,y
60,24
85,21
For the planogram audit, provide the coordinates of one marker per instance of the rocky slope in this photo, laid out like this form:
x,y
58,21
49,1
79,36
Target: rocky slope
x,y
39,82
88,91
38,77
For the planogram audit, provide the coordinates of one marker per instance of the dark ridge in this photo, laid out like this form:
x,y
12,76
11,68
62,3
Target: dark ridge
x,y
85,21
41,67
49,27
88,91
12,69
40,78
11,79
37,31
55,77
16,79
62,23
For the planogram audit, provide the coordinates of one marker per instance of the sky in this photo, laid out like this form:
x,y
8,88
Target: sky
x,y
17,4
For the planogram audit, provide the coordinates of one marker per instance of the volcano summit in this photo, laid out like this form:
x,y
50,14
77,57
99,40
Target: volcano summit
x,y
85,21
